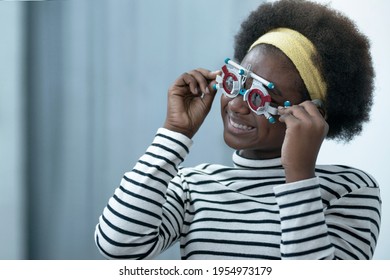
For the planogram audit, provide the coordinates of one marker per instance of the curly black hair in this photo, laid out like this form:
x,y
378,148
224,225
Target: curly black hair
x,y
343,57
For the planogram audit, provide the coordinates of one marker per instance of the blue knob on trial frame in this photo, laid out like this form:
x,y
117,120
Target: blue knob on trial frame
x,y
271,119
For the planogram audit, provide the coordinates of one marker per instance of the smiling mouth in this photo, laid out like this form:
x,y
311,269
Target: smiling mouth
x,y
242,127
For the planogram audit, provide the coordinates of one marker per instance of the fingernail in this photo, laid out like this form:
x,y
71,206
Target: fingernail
x,y
207,91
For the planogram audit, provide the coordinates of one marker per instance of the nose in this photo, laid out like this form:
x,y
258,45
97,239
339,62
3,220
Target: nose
x,y
238,105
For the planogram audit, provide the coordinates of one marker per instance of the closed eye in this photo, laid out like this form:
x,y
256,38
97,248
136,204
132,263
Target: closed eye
x,y
276,97
275,91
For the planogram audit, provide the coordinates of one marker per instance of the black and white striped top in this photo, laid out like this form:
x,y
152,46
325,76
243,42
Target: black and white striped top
x,y
244,211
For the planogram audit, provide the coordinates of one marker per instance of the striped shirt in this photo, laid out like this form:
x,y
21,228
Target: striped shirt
x,y
245,211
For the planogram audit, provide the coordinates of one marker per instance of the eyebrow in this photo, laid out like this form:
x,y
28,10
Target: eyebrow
x,y
247,72
268,84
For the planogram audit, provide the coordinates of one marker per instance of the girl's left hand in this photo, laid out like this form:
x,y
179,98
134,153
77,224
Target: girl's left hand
x,y
306,129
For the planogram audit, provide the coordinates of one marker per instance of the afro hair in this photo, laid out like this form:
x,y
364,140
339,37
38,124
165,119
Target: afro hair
x,y
343,57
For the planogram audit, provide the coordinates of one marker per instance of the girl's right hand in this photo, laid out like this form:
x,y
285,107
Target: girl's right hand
x,y
189,101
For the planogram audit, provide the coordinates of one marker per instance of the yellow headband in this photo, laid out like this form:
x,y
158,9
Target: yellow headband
x,y
300,51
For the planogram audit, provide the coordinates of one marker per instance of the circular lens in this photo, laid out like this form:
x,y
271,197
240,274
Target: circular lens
x,y
255,100
228,83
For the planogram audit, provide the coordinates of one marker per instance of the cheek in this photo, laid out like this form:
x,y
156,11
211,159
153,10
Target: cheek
x,y
270,135
277,133
224,102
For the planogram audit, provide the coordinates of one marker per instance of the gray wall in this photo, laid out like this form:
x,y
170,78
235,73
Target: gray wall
x,y
12,133
83,89
93,78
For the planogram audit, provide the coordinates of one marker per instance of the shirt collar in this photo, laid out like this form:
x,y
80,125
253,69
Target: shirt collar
x,y
242,162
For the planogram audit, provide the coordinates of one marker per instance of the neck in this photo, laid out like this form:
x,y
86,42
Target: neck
x,y
259,154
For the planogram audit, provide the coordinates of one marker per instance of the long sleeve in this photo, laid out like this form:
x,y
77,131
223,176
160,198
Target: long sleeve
x,y
315,226
240,212
143,217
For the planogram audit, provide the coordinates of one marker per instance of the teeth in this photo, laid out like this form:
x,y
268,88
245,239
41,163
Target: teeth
x,y
240,126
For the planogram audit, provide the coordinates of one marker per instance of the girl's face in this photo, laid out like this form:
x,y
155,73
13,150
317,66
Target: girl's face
x,y
247,132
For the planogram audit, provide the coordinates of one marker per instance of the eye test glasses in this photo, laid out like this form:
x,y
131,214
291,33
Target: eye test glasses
x,y
231,84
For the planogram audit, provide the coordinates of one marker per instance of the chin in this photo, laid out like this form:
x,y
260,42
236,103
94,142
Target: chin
x,y
234,142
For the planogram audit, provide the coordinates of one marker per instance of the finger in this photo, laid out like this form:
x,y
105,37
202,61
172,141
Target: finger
x,y
199,81
209,75
213,75
208,99
287,117
187,79
313,108
297,111
306,109
304,116
201,77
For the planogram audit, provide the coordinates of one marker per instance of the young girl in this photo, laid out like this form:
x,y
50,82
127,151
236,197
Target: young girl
x,y
301,72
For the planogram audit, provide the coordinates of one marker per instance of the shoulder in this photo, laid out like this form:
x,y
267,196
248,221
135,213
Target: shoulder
x,y
346,175
345,182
